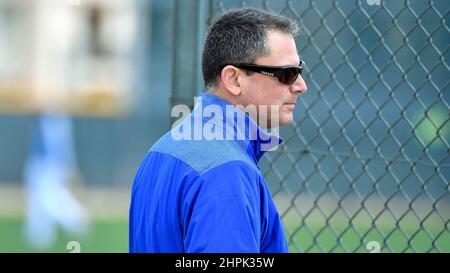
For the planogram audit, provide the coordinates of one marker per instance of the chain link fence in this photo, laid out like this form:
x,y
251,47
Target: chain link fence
x,y
365,166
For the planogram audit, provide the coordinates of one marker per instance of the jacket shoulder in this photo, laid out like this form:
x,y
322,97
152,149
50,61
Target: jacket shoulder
x,y
203,155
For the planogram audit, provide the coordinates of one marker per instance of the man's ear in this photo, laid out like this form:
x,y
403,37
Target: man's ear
x,y
230,79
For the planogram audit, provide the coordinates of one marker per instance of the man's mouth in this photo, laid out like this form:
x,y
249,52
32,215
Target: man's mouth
x,y
290,105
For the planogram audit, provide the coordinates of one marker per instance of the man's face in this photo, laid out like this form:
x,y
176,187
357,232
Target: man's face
x,y
263,90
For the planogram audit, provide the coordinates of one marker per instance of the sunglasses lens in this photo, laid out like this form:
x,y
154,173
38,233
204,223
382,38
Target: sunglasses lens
x,y
289,75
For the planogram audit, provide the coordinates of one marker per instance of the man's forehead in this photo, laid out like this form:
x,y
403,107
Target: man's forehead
x,y
282,49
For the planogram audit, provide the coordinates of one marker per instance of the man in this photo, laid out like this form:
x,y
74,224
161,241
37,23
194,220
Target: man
x,y
201,193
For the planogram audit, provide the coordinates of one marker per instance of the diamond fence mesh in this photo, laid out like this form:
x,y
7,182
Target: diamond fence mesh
x,y
366,165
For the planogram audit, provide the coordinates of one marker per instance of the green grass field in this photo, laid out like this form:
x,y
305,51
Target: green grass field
x,y
338,236
349,240
104,236
111,235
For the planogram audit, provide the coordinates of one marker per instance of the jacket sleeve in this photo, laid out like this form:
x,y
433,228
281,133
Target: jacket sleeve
x,y
221,212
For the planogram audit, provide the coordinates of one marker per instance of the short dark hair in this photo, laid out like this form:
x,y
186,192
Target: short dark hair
x,y
239,36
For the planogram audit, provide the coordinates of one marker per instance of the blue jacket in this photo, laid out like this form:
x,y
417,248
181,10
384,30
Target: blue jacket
x,y
199,194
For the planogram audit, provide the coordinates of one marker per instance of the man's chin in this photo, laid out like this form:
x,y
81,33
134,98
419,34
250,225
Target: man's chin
x,y
281,122
286,119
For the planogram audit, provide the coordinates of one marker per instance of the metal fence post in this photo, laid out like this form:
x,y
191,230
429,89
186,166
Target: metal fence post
x,y
188,36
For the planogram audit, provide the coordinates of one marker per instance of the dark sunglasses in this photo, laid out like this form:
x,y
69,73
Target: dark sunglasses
x,y
285,74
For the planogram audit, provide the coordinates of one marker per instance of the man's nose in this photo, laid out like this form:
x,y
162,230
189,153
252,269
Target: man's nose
x,y
299,86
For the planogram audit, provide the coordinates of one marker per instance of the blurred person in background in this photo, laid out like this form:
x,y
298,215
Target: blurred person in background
x,y
48,172
208,195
